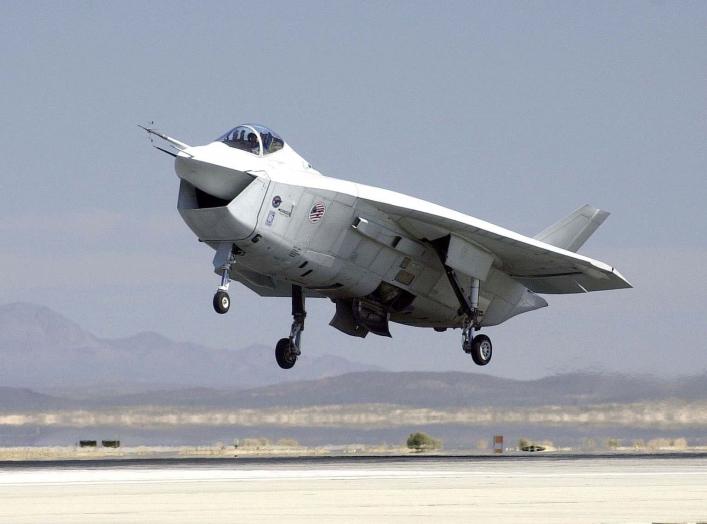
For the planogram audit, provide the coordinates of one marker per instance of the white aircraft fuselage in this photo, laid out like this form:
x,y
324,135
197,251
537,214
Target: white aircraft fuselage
x,y
279,225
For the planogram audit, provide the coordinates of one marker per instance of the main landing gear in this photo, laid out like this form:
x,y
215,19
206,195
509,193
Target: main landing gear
x,y
479,346
288,349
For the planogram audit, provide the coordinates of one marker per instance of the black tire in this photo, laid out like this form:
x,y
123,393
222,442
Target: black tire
x,y
222,302
481,350
285,354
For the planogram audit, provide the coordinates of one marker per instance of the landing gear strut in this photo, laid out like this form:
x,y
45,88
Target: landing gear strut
x,y
222,301
479,346
288,349
223,261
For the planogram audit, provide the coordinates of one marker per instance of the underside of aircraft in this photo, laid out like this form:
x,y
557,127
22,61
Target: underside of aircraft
x,y
283,229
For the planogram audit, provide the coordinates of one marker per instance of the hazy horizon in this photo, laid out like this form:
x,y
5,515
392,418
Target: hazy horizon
x,y
143,339
514,113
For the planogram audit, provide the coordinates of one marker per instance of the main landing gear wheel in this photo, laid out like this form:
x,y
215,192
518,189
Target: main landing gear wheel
x,y
481,350
222,302
286,353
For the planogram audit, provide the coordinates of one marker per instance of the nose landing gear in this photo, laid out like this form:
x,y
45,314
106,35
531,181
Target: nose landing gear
x,y
223,262
288,349
222,302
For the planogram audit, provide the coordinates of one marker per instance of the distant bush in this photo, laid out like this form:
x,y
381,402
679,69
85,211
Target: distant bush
x,y
288,442
423,442
662,443
525,444
680,443
256,443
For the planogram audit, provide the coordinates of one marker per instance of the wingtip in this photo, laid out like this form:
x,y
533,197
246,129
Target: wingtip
x,y
601,215
623,278
590,210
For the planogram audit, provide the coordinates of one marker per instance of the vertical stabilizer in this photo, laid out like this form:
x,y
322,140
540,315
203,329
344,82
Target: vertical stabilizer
x,y
572,232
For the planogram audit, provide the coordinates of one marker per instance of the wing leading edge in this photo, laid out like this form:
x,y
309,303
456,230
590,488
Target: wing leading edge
x,y
541,267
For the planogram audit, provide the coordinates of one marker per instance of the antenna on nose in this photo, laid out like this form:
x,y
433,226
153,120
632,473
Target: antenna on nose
x,y
172,143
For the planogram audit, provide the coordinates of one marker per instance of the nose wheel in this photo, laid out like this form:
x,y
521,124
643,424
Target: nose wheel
x,y
222,302
223,261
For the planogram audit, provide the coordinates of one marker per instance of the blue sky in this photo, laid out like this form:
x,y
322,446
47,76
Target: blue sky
x,y
516,113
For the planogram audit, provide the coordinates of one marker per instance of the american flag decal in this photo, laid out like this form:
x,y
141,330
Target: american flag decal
x,y
317,212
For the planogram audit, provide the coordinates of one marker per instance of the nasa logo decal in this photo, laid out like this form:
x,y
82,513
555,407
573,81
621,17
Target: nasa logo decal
x,y
276,201
317,212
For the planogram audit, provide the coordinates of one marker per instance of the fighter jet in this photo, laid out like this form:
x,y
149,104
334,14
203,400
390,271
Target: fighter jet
x,y
281,228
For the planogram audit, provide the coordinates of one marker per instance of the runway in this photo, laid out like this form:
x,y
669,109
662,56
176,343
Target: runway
x,y
558,489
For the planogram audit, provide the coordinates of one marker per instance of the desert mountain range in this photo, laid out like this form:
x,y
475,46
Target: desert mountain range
x,y
48,361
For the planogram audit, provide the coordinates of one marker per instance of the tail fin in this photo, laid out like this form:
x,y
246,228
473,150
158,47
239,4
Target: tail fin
x,y
572,232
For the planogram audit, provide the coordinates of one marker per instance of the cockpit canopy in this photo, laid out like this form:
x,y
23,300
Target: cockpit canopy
x,y
253,138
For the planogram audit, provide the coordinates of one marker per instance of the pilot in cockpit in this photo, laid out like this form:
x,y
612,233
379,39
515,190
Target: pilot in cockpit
x,y
255,139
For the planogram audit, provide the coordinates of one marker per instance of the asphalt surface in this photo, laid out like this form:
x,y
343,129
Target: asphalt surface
x,y
537,488
324,461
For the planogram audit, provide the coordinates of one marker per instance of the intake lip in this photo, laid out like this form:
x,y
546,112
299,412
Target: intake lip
x,y
219,181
